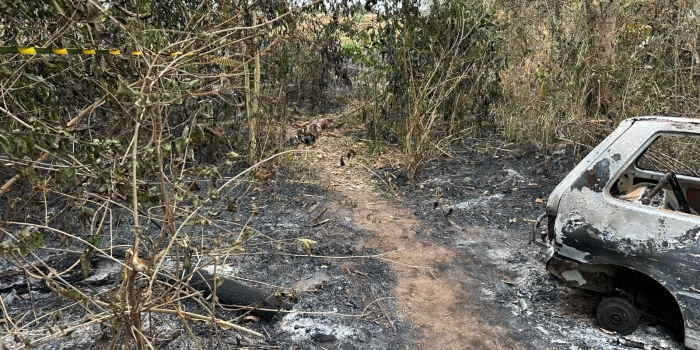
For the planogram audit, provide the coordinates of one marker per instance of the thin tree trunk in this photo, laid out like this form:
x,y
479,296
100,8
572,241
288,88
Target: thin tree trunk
x,y
252,99
602,23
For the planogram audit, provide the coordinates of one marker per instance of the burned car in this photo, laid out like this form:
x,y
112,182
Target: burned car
x,y
625,222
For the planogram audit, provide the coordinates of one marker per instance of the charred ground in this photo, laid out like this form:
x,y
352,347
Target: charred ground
x,y
440,263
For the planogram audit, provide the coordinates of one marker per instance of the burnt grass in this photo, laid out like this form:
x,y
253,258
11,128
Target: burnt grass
x,y
494,193
501,193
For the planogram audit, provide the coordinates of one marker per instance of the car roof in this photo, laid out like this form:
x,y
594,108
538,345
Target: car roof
x,y
664,119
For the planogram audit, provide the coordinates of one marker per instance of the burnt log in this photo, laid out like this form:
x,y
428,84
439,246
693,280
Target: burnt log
x,y
229,291
232,292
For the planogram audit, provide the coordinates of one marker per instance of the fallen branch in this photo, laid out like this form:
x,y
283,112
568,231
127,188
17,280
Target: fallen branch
x,y
381,309
384,181
205,318
16,119
18,176
332,257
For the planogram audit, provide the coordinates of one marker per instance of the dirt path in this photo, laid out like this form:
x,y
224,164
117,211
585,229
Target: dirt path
x,y
435,293
473,282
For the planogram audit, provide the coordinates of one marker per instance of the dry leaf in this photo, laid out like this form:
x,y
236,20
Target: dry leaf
x,y
313,207
607,331
232,206
251,318
513,220
217,131
320,223
359,273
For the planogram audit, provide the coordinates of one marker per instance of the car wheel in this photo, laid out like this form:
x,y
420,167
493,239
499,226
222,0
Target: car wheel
x,y
618,314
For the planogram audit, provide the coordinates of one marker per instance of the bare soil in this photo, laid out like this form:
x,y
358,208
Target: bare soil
x,y
440,263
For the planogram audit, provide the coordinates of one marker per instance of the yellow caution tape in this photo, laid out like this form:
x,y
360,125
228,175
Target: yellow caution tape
x,y
27,50
22,50
222,61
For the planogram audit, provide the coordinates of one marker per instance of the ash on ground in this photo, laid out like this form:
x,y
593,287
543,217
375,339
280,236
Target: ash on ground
x,y
476,206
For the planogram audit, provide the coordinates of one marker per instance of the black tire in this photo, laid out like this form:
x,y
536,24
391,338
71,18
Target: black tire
x,y
618,314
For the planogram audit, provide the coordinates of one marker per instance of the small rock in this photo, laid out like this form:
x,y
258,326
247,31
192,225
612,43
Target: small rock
x,y
523,305
9,297
573,347
323,338
361,337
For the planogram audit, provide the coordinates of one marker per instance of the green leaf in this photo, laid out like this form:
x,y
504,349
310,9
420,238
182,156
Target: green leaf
x,y
35,240
5,145
67,176
94,240
29,140
153,199
245,235
30,241
22,147
84,265
29,170
186,133
306,245
187,260
178,146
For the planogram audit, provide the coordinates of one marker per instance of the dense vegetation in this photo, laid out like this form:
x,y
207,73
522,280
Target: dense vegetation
x,y
103,131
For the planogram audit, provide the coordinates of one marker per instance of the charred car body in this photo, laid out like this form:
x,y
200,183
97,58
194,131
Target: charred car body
x,y
625,223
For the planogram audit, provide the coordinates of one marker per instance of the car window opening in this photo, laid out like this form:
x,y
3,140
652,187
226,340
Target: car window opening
x,y
665,176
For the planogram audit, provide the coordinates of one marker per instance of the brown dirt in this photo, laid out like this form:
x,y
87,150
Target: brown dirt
x,y
434,292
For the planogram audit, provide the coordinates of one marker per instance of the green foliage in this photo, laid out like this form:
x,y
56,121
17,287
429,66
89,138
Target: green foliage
x,y
360,55
69,130
5,145
29,240
440,73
